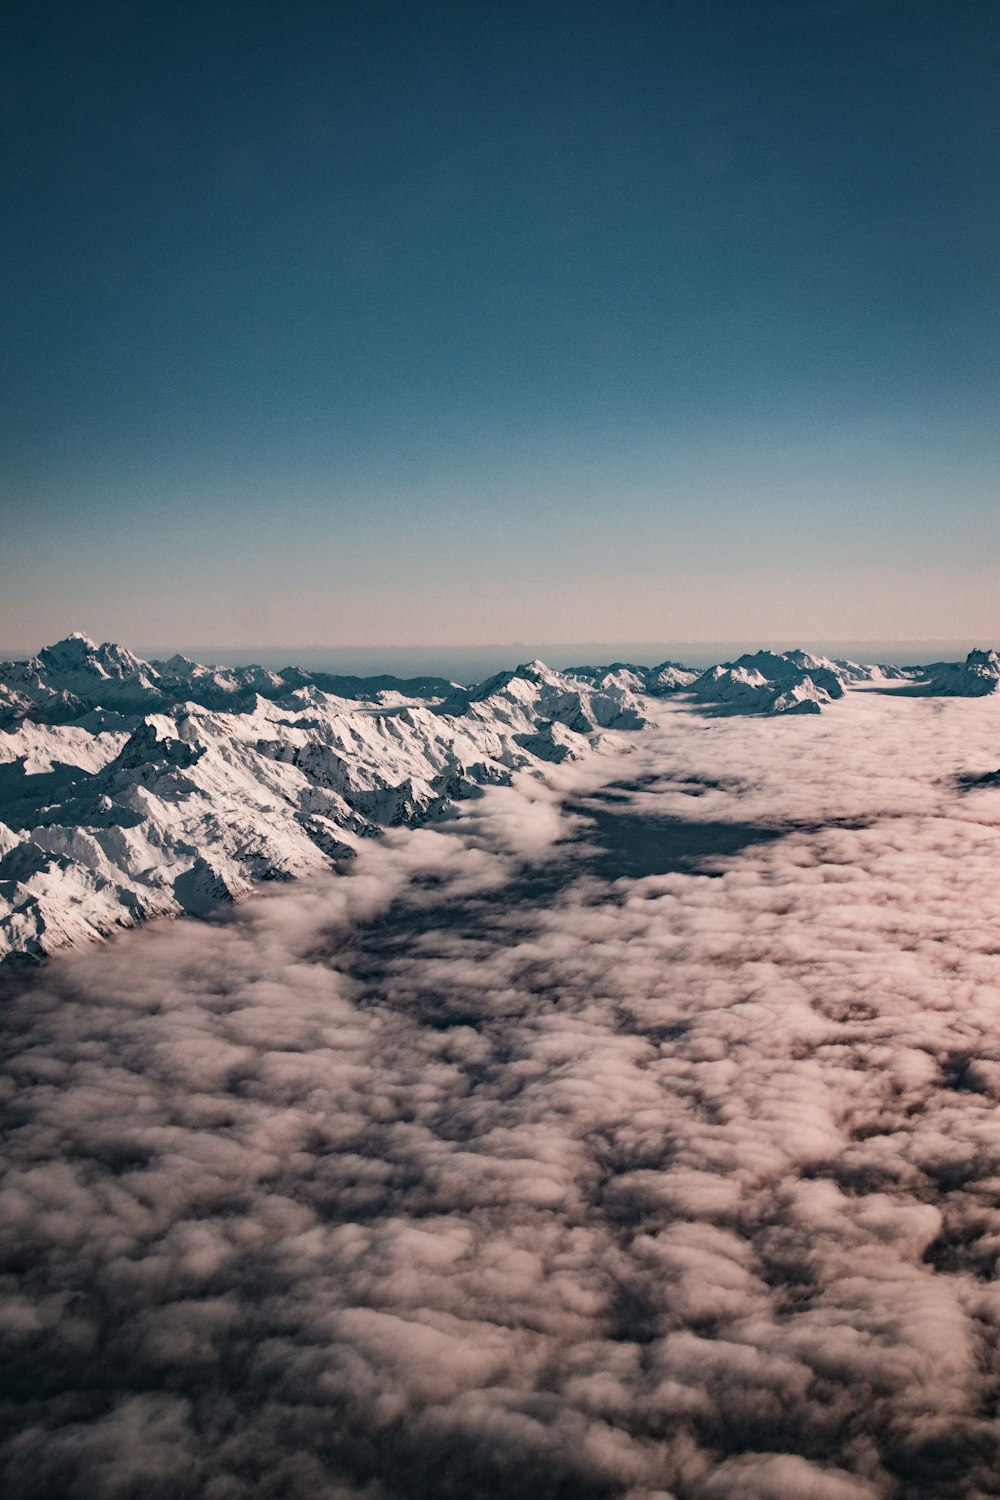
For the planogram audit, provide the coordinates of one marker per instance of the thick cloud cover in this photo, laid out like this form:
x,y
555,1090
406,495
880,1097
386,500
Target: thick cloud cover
x,y
474,1173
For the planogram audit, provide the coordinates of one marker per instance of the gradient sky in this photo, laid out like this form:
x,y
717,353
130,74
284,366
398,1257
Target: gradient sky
x,y
367,323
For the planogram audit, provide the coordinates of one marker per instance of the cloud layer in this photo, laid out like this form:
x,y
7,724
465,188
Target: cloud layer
x,y
472,1173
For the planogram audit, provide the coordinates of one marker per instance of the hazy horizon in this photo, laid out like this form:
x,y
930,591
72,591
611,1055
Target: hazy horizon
x,y
471,661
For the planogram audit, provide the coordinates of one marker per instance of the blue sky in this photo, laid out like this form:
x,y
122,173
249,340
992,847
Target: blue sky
x,y
363,324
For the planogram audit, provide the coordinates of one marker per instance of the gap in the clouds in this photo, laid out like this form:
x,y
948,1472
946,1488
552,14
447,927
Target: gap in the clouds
x,y
608,847
636,845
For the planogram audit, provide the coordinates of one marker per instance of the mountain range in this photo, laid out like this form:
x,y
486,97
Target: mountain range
x,y
131,789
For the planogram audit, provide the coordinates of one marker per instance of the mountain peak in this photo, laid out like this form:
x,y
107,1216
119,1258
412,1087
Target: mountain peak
x,y
74,645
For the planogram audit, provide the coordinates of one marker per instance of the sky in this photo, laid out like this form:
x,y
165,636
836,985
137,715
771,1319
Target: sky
x,y
375,324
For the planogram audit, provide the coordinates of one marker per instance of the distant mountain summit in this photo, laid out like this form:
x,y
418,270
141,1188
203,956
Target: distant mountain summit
x,y
580,704
76,676
790,682
975,677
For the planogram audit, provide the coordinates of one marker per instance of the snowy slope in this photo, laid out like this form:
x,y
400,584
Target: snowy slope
x,y
518,699
975,677
667,677
66,679
122,796
767,682
848,671
772,682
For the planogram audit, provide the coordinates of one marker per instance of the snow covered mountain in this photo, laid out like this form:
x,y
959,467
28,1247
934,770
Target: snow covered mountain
x,y
767,682
790,682
975,677
65,680
577,704
132,788
656,682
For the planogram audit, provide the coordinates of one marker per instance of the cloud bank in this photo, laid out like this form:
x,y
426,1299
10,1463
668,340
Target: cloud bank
x,y
473,1173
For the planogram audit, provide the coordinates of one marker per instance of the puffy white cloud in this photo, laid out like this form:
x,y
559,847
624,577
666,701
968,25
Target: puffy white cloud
x,y
473,1173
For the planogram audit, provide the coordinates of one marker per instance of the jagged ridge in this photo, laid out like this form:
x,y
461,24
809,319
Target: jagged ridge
x,y
132,788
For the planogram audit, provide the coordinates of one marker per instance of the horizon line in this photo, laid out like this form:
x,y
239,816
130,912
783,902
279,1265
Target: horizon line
x,y
152,652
